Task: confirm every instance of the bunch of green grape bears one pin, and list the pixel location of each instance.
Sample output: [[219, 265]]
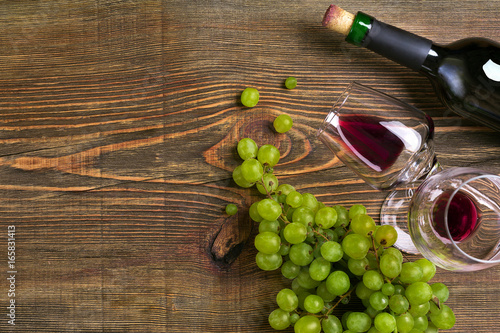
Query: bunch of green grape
[[332, 254]]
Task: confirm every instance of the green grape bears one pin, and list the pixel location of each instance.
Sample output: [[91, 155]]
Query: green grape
[[344, 317], [303, 215], [338, 283], [279, 319], [273, 226], [323, 292], [285, 189], [331, 324], [283, 123], [420, 323], [269, 184], [294, 199], [404, 323], [250, 97], [399, 289], [373, 280], [268, 262], [342, 216], [379, 301], [307, 324], [388, 289], [443, 318], [355, 246], [254, 213], [247, 148], [410, 272], [252, 170], [363, 224], [290, 270], [441, 291], [398, 304], [302, 296], [284, 249], [431, 328], [386, 235], [359, 322], [239, 179], [310, 201], [331, 251], [301, 254], [355, 210], [290, 82], [319, 269], [231, 209], [305, 280], [418, 292], [267, 242], [428, 269], [325, 217], [385, 322], [313, 303], [371, 311], [295, 233], [358, 266], [390, 266], [269, 209], [373, 330], [417, 310], [395, 252], [294, 317], [363, 292], [268, 154], [287, 300]]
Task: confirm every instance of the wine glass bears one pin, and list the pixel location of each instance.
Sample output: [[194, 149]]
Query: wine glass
[[454, 219], [389, 144]]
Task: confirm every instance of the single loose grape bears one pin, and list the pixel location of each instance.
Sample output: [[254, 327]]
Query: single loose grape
[[250, 97], [231, 209], [279, 319], [290, 82], [247, 148], [268, 154], [283, 123]]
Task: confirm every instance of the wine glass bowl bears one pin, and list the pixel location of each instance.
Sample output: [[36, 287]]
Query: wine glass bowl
[[454, 219], [382, 139]]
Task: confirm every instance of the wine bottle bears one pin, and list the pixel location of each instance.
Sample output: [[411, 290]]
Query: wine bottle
[[465, 74]]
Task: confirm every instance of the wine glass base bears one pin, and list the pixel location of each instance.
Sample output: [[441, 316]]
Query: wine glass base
[[395, 212]]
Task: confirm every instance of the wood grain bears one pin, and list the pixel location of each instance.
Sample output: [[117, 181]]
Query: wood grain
[[118, 125]]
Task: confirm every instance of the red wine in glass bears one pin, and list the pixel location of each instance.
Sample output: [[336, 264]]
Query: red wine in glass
[[462, 216], [371, 140]]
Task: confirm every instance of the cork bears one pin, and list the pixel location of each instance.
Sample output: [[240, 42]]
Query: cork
[[338, 20]]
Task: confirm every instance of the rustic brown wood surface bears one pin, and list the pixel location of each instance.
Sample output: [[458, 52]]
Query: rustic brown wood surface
[[118, 124]]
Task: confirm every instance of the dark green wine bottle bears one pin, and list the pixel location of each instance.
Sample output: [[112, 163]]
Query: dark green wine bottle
[[465, 74]]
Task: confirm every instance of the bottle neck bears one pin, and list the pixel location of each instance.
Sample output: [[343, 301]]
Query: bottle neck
[[391, 42]]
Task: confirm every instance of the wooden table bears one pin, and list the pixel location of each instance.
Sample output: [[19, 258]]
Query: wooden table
[[119, 121]]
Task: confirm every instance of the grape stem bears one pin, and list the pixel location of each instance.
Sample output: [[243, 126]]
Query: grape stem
[[320, 234], [347, 294]]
